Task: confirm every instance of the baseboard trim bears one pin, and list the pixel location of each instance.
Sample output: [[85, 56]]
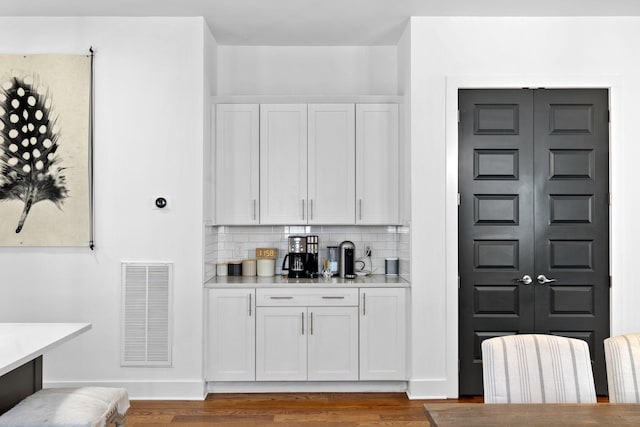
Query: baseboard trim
[[427, 389], [307, 387], [146, 390]]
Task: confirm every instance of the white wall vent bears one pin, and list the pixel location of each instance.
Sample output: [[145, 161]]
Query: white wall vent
[[146, 314]]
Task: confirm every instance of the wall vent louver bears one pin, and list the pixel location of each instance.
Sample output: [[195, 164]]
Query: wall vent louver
[[146, 314]]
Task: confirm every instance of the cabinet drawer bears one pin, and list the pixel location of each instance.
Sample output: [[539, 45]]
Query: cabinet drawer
[[306, 297]]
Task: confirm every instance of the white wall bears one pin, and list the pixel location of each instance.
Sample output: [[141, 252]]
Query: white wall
[[307, 70], [449, 53], [210, 89], [148, 143]]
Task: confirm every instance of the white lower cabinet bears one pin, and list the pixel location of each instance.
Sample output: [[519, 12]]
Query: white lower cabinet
[[319, 334], [332, 344], [383, 334], [307, 335], [231, 335], [281, 344], [307, 344]]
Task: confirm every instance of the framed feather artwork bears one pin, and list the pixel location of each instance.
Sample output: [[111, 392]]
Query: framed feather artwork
[[45, 150]]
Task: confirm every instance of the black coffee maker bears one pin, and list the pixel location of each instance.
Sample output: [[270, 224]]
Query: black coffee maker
[[347, 266], [311, 266], [297, 257]]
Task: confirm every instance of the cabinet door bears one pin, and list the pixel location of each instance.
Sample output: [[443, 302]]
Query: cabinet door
[[382, 334], [377, 164], [231, 335], [333, 344], [237, 164], [283, 164], [331, 160], [281, 344]]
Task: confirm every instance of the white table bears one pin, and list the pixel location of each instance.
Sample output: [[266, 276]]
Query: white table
[[532, 414], [21, 348]]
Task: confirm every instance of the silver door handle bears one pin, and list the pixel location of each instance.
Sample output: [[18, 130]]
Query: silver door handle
[[302, 320], [311, 209], [250, 304], [303, 209], [311, 326], [526, 279], [364, 304], [542, 279], [254, 209]]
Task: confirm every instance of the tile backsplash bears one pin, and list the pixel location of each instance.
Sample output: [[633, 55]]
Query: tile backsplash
[[404, 251], [235, 243]]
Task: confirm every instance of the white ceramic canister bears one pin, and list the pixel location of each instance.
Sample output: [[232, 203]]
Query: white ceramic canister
[[266, 267], [249, 267], [221, 269]]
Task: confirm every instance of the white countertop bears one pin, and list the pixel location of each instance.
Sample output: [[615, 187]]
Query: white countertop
[[22, 342], [376, 280]]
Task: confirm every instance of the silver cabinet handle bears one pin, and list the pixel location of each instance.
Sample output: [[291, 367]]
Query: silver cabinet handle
[[281, 297], [250, 295], [333, 297], [254, 209], [302, 209], [360, 208], [311, 209], [526, 279], [542, 279], [302, 319], [364, 304], [311, 326]]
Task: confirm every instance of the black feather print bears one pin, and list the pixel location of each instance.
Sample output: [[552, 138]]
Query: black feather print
[[29, 166]]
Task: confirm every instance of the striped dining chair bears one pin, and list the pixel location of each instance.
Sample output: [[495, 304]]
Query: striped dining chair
[[535, 368], [622, 356]]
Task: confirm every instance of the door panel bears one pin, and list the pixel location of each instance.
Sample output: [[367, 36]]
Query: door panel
[[496, 243], [237, 164], [533, 174], [283, 164], [281, 344], [331, 156], [333, 344], [572, 217]]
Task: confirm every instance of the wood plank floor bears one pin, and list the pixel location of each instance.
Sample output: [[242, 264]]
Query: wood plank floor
[[284, 409]]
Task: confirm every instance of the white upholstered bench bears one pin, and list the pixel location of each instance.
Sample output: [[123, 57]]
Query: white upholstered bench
[[69, 407]]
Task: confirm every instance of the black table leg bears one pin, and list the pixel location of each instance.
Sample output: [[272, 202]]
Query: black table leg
[[20, 383]]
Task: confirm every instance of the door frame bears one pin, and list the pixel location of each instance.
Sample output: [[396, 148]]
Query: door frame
[[453, 84]]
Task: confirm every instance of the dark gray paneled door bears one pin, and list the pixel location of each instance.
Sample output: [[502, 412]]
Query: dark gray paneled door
[[533, 220]]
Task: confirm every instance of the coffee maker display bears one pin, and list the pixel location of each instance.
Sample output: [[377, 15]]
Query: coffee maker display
[[347, 262], [297, 257]]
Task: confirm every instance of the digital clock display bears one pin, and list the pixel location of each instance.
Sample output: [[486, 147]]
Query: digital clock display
[[266, 253]]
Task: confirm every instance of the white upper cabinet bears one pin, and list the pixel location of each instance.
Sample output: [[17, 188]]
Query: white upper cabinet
[[377, 164], [331, 160], [294, 164], [237, 164], [283, 164]]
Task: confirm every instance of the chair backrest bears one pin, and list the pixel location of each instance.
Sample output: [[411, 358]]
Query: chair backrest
[[532, 368], [622, 356]]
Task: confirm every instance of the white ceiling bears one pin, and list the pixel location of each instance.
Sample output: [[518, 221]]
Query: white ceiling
[[315, 22]]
